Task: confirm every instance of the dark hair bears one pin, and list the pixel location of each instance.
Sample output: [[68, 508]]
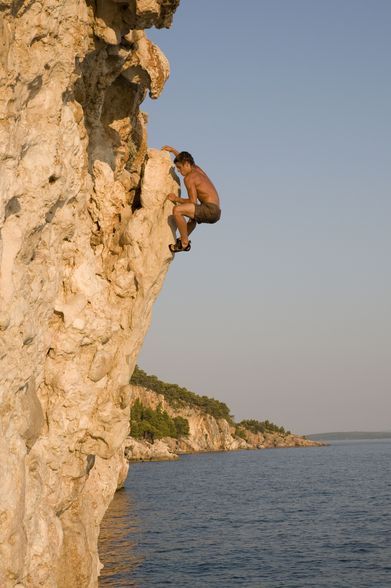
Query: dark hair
[[184, 157]]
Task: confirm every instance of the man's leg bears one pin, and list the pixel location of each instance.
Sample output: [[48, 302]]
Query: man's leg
[[180, 211], [191, 225]]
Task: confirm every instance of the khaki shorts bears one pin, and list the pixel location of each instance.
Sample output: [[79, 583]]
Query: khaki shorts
[[207, 212]]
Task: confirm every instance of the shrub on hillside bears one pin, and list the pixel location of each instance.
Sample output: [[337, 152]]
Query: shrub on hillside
[[240, 432]]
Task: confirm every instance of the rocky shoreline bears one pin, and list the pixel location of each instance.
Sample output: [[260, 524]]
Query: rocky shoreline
[[206, 434]]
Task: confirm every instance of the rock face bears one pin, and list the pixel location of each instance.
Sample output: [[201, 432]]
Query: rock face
[[85, 229], [206, 433]]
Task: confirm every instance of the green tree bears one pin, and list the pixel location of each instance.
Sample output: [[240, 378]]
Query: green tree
[[181, 426], [262, 426], [149, 424]]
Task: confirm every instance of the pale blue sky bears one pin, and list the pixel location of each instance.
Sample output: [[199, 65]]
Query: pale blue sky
[[282, 309]]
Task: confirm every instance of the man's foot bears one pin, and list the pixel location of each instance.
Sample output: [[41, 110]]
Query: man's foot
[[176, 247]]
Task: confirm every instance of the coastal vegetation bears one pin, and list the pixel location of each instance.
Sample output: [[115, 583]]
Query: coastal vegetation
[[260, 427], [178, 396], [147, 423]]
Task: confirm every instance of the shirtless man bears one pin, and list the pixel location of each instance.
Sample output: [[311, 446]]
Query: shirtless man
[[199, 187]]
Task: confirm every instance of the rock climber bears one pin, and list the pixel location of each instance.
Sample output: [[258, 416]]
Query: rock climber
[[199, 187]]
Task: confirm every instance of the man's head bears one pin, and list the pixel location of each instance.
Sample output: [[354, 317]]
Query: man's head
[[184, 162]]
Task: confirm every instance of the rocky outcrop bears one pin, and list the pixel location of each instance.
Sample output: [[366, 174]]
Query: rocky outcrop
[[85, 229], [141, 450], [269, 440], [206, 433]]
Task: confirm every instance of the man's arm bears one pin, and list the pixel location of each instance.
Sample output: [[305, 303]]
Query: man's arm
[[191, 191], [177, 199], [170, 150]]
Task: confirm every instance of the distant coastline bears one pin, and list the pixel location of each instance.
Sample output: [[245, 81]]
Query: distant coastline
[[349, 435]]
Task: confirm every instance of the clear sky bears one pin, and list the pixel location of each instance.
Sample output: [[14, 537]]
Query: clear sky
[[282, 309]]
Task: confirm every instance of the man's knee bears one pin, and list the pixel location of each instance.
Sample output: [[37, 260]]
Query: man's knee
[[182, 210]]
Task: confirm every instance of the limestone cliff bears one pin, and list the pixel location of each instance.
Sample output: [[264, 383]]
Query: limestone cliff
[[206, 433], [83, 254]]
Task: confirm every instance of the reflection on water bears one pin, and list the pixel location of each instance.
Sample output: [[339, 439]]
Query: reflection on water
[[116, 550]]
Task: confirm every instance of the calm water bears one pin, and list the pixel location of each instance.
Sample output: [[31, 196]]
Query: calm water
[[291, 518]]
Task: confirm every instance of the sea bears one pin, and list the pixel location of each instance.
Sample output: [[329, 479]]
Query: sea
[[316, 517]]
